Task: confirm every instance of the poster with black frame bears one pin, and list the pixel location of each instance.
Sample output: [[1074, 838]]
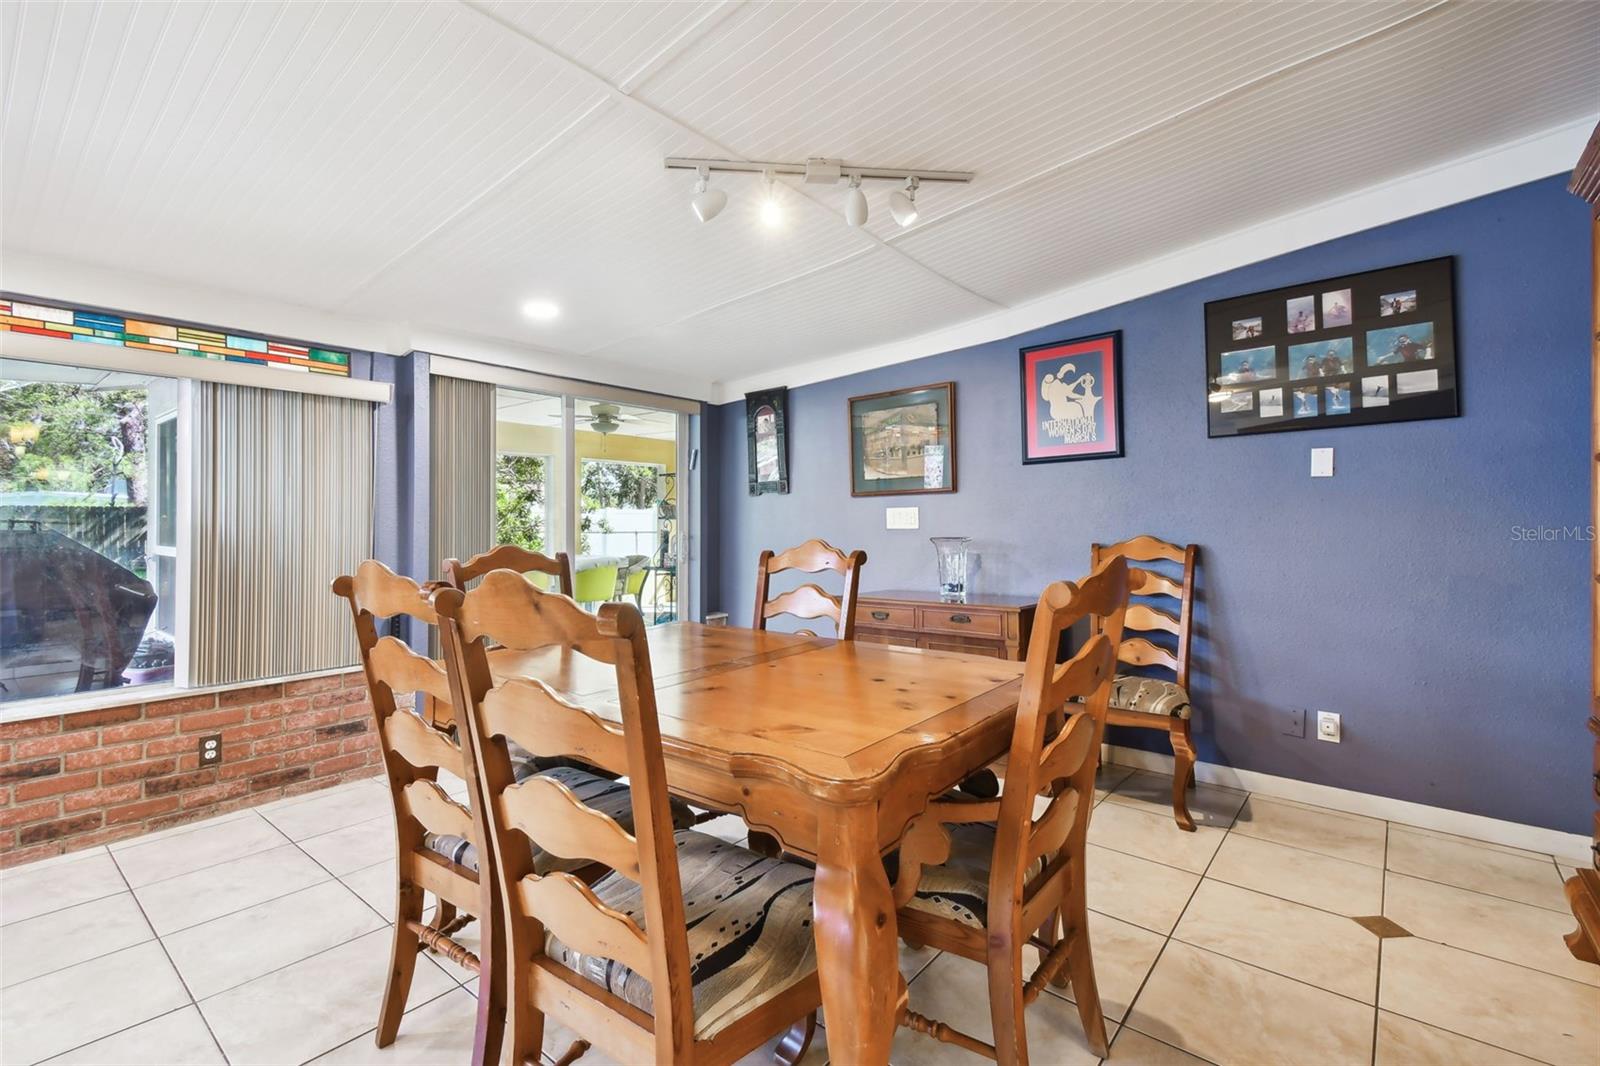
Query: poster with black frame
[[1354, 350], [766, 421]]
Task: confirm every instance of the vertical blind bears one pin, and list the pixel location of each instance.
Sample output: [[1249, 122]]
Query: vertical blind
[[282, 504], [462, 451]]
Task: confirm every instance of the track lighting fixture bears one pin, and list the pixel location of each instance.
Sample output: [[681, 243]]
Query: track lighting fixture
[[771, 209], [855, 203], [903, 205], [707, 202]]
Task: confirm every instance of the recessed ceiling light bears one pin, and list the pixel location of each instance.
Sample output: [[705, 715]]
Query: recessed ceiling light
[[541, 310]]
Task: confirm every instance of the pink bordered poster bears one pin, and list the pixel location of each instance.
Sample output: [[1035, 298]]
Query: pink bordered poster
[[1072, 399]]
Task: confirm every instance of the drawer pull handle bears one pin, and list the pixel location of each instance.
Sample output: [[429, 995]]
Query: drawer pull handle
[[964, 619], [882, 616]]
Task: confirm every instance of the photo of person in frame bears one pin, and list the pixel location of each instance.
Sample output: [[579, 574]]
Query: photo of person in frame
[[1305, 402], [1271, 405], [1400, 344], [1247, 329], [1337, 399], [1397, 303], [1248, 364], [1336, 308], [1322, 359], [1302, 314], [1375, 391]]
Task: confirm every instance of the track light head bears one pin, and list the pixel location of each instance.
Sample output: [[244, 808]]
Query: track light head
[[771, 209], [903, 205], [707, 202], [855, 203]]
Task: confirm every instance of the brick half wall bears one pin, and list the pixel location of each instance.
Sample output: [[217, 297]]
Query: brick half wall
[[74, 780]]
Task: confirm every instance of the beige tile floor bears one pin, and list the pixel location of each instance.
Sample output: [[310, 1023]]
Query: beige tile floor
[[261, 937]]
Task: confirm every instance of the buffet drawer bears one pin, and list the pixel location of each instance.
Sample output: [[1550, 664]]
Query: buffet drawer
[[886, 616], [964, 621]]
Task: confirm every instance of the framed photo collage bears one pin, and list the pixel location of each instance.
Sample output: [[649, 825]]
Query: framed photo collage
[[1346, 351]]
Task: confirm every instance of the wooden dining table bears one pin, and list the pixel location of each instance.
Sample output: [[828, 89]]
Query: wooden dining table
[[830, 746]]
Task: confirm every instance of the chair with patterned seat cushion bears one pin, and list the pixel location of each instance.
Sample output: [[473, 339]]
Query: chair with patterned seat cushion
[[985, 878], [691, 948], [414, 752], [434, 834], [1165, 607]]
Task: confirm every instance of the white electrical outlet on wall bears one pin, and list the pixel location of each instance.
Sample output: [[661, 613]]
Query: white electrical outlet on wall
[[1328, 726]]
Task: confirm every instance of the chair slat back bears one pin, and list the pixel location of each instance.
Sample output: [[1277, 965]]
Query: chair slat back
[[508, 611], [413, 751], [510, 557], [1064, 763], [810, 600], [1176, 620]]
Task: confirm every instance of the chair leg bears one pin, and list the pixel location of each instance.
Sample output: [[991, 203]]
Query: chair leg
[[527, 1021], [792, 1047], [443, 915], [763, 844], [1080, 968], [402, 962], [1182, 772], [1006, 1003], [488, 1037]]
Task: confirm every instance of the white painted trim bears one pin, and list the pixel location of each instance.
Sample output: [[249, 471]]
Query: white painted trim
[[1571, 848], [134, 695], [38, 349], [513, 378], [1537, 156]]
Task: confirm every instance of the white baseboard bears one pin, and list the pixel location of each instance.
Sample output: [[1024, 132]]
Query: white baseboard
[[1569, 848]]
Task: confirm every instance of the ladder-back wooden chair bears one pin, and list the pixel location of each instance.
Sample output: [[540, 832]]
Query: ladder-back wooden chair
[[500, 557], [810, 600], [1147, 702], [511, 557], [691, 949], [979, 877], [431, 829]]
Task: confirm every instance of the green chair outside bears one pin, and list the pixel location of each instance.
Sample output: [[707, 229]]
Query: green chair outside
[[595, 585], [633, 585]]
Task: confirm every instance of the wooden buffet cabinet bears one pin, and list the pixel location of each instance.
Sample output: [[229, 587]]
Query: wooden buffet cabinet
[[1583, 888], [980, 625]]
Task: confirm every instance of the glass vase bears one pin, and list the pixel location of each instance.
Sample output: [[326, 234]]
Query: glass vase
[[952, 556]]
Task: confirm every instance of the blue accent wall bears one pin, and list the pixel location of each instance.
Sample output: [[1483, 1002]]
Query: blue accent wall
[[1398, 593]]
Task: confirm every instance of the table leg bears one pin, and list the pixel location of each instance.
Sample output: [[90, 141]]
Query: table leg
[[857, 950]]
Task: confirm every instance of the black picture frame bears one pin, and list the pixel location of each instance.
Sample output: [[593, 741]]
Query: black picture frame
[[768, 443], [1351, 350], [1095, 434]]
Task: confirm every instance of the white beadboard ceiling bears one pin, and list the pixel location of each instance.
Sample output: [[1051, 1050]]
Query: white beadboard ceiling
[[433, 165]]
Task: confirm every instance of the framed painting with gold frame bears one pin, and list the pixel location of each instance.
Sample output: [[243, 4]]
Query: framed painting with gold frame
[[904, 441]]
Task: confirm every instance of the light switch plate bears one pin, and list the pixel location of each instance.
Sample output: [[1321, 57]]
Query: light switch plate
[[1321, 462], [901, 518]]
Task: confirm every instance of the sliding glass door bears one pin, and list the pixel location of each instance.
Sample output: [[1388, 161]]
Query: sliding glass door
[[598, 480], [627, 470], [530, 489]]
